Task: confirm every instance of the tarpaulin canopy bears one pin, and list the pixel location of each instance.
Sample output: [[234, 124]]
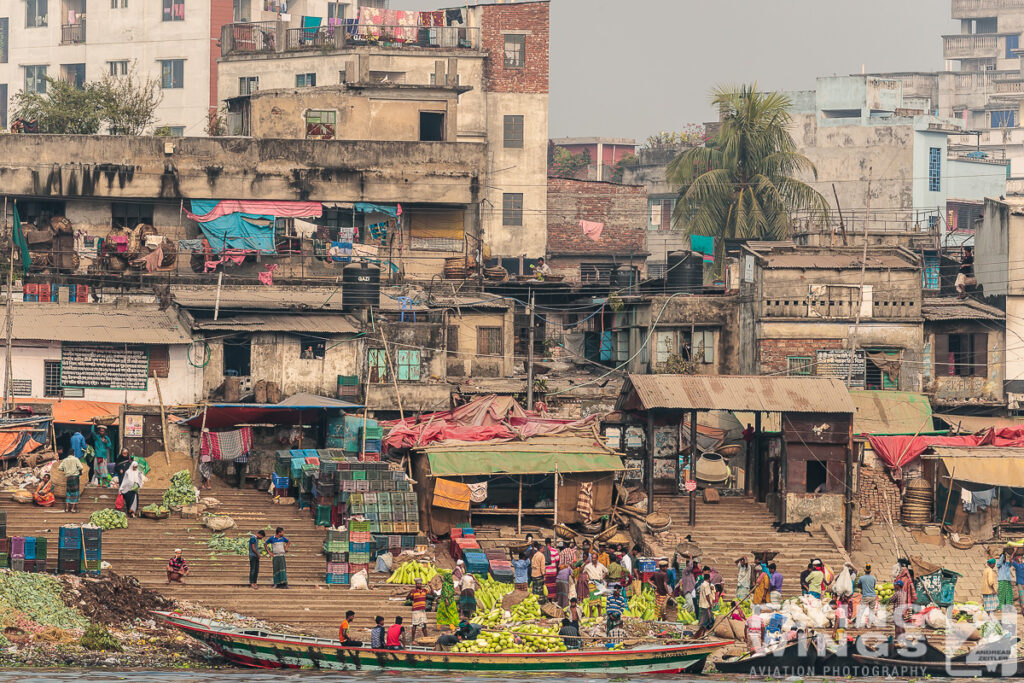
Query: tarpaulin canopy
[[209, 209], [304, 399], [220, 415], [470, 463], [79, 412], [453, 495], [989, 466], [898, 451]]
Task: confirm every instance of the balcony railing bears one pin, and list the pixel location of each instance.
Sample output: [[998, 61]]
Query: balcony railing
[[970, 46], [72, 34], [274, 36], [970, 9]]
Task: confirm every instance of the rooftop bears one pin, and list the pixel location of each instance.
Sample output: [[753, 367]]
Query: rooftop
[[950, 308], [299, 323], [834, 258], [735, 392], [259, 297], [98, 323]]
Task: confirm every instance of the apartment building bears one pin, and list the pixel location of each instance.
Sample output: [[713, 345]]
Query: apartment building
[[476, 76]]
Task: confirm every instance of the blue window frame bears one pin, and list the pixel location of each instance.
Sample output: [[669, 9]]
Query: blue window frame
[[1004, 118], [935, 169], [1012, 43], [930, 274]]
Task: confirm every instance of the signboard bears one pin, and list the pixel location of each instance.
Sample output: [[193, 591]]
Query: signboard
[[99, 366], [842, 363], [21, 387], [133, 425]]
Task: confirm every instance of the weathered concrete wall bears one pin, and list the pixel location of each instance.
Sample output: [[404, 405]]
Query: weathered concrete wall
[[465, 361], [945, 389], [702, 312], [96, 166], [992, 246], [822, 508]]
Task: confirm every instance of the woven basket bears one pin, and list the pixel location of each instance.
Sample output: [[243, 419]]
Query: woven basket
[[562, 531], [155, 515], [658, 521], [606, 534], [962, 543], [730, 451]]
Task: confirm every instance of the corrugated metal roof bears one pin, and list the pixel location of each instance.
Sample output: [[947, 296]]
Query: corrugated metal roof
[[260, 297], [969, 424], [950, 308], [273, 322], [891, 412], [98, 323], [735, 392]]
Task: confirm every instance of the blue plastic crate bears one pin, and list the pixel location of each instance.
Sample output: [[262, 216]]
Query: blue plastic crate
[[280, 482], [30, 547], [337, 579], [70, 537], [359, 547]]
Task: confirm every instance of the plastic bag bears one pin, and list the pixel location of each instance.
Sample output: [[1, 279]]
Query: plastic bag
[[936, 619], [359, 580], [384, 562], [844, 584], [880, 618], [119, 502], [864, 617]]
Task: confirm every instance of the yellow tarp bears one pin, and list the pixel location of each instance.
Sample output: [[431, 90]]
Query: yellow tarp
[[1008, 471], [435, 224], [451, 494]]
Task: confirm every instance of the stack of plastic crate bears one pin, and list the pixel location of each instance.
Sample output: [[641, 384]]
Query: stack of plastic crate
[[69, 550], [92, 550], [18, 553]]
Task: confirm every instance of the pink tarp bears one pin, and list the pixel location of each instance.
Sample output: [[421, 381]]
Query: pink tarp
[[899, 451], [282, 209], [482, 419]]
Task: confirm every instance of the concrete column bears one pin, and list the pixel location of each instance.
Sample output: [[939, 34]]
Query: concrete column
[[280, 36]]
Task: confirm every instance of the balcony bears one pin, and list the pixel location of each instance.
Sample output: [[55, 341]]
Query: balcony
[[972, 9], [276, 36], [976, 46], [72, 34]]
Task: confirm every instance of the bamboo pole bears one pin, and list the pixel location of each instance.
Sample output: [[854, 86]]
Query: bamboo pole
[[556, 493], [949, 494], [394, 372], [163, 419], [519, 510]]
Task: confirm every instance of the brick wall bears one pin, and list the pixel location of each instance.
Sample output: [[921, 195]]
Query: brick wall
[[530, 18], [877, 494], [773, 353], [221, 12], [622, 209]]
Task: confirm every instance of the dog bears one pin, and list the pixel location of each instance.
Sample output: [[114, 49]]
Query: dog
[[793, 527]]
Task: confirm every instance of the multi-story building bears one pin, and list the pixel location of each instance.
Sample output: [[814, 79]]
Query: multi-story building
[[473, 77]]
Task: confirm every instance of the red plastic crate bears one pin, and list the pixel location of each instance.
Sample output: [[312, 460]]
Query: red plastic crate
[[44, 292], [31, 288], [82, 294]]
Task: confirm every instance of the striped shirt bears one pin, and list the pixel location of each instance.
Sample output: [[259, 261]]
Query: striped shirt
[[419, 599]]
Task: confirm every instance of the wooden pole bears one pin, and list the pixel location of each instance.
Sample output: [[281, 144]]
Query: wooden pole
[[529, 358], [949, 494], [394, 372], [9, 366], [556, 493], [216, 303], [163, 419], [202, 429], [650, 462], [519, 513], [693, 468]]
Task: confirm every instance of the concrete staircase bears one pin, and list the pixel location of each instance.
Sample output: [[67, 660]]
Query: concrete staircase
[[221, 581], [737, 526]]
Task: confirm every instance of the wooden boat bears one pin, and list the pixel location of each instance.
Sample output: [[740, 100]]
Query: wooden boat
[[794, 660], [266, 650]]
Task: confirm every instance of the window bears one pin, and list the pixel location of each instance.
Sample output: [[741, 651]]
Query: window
[[488, 341], [961, 355], [1005, 118], [5, 32], [661, 213], [817, 476], [930, 271], [130, 214], [512, 209], [174, 10], [3, 105], [799, 365], [240, 10], [159, 360], [175, 131], [387, 77], [377, 366], [172, 73], [320, 124], [335, 10], [305, 80], [514, 131], [74, 74], [118, 68], [1012, 43], [341, 77], [35, 79], [114, 4], [312, 348], [247, 85], [665, 346], [35, 13], [515, 51], [703, 345], [934, 169], [881, 369], [51, 378], [408, 365], [237, 356], [431, 126], [698, 347]]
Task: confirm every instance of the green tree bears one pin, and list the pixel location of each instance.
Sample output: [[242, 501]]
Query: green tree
[[128, 102], [63, 109], [565, 164], [744, 182]]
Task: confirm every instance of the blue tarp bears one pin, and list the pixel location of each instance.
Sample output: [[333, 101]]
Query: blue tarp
[[236, 230], [376, 208]]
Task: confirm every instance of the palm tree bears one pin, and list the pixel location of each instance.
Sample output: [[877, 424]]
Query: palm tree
[[743, 183]]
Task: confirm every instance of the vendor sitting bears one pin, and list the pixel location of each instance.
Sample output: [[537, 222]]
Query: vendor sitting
[[177, 567], [43, 496]]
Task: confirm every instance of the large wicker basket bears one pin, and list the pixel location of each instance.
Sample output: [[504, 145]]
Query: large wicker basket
[[606, 534]]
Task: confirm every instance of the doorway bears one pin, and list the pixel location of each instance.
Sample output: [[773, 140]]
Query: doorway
[[431, 126]]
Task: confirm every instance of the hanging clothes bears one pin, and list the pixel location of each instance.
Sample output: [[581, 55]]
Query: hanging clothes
[[453, 16], [592, 229]]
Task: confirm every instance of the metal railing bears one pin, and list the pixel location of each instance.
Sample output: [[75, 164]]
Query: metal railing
[[254, 36], [72, 34], [413, 36], [314, 38], [966, 46]]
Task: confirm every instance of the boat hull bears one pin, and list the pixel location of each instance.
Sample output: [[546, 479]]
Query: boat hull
[[274, 651]]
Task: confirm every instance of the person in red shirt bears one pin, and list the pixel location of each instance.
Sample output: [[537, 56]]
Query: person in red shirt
[[394, 637], [343, 635], [418, 596]]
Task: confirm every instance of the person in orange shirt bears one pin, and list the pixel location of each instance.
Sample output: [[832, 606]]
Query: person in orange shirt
[[343, 634]]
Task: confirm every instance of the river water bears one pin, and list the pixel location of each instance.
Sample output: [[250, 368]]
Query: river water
[[247, 676]]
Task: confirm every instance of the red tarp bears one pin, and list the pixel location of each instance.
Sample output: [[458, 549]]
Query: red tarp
[[280, 209], [898, 451], [482, 419]]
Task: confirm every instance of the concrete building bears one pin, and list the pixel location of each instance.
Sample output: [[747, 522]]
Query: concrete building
[[648, 168], [596, 232], [479, 80], [604, 153], [801, 305], [174, 43]]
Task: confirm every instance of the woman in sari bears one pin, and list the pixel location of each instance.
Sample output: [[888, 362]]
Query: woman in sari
[[762, 588], [44, 493], [129, 489], [905, 596]]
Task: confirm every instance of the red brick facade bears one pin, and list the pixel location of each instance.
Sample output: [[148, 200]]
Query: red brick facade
[[221, 13], [622, 209], [529, 18], [773, 354], [877, 495]]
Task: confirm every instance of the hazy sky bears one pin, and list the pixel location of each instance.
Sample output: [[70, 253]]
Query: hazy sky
[[629, 68]]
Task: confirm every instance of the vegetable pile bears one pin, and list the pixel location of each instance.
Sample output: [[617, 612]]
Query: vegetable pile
[[885, 592], [222, 544], [109, 519], [182, 491], [490, 592], [156, 509], [410, 571], [523, 638], [38, 597], [528, 609]]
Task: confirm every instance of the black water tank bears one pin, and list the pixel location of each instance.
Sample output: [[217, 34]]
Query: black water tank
[[624, 277], [360, 286], [685, 272]]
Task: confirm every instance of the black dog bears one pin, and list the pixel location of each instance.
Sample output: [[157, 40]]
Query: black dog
[[793, 527]]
